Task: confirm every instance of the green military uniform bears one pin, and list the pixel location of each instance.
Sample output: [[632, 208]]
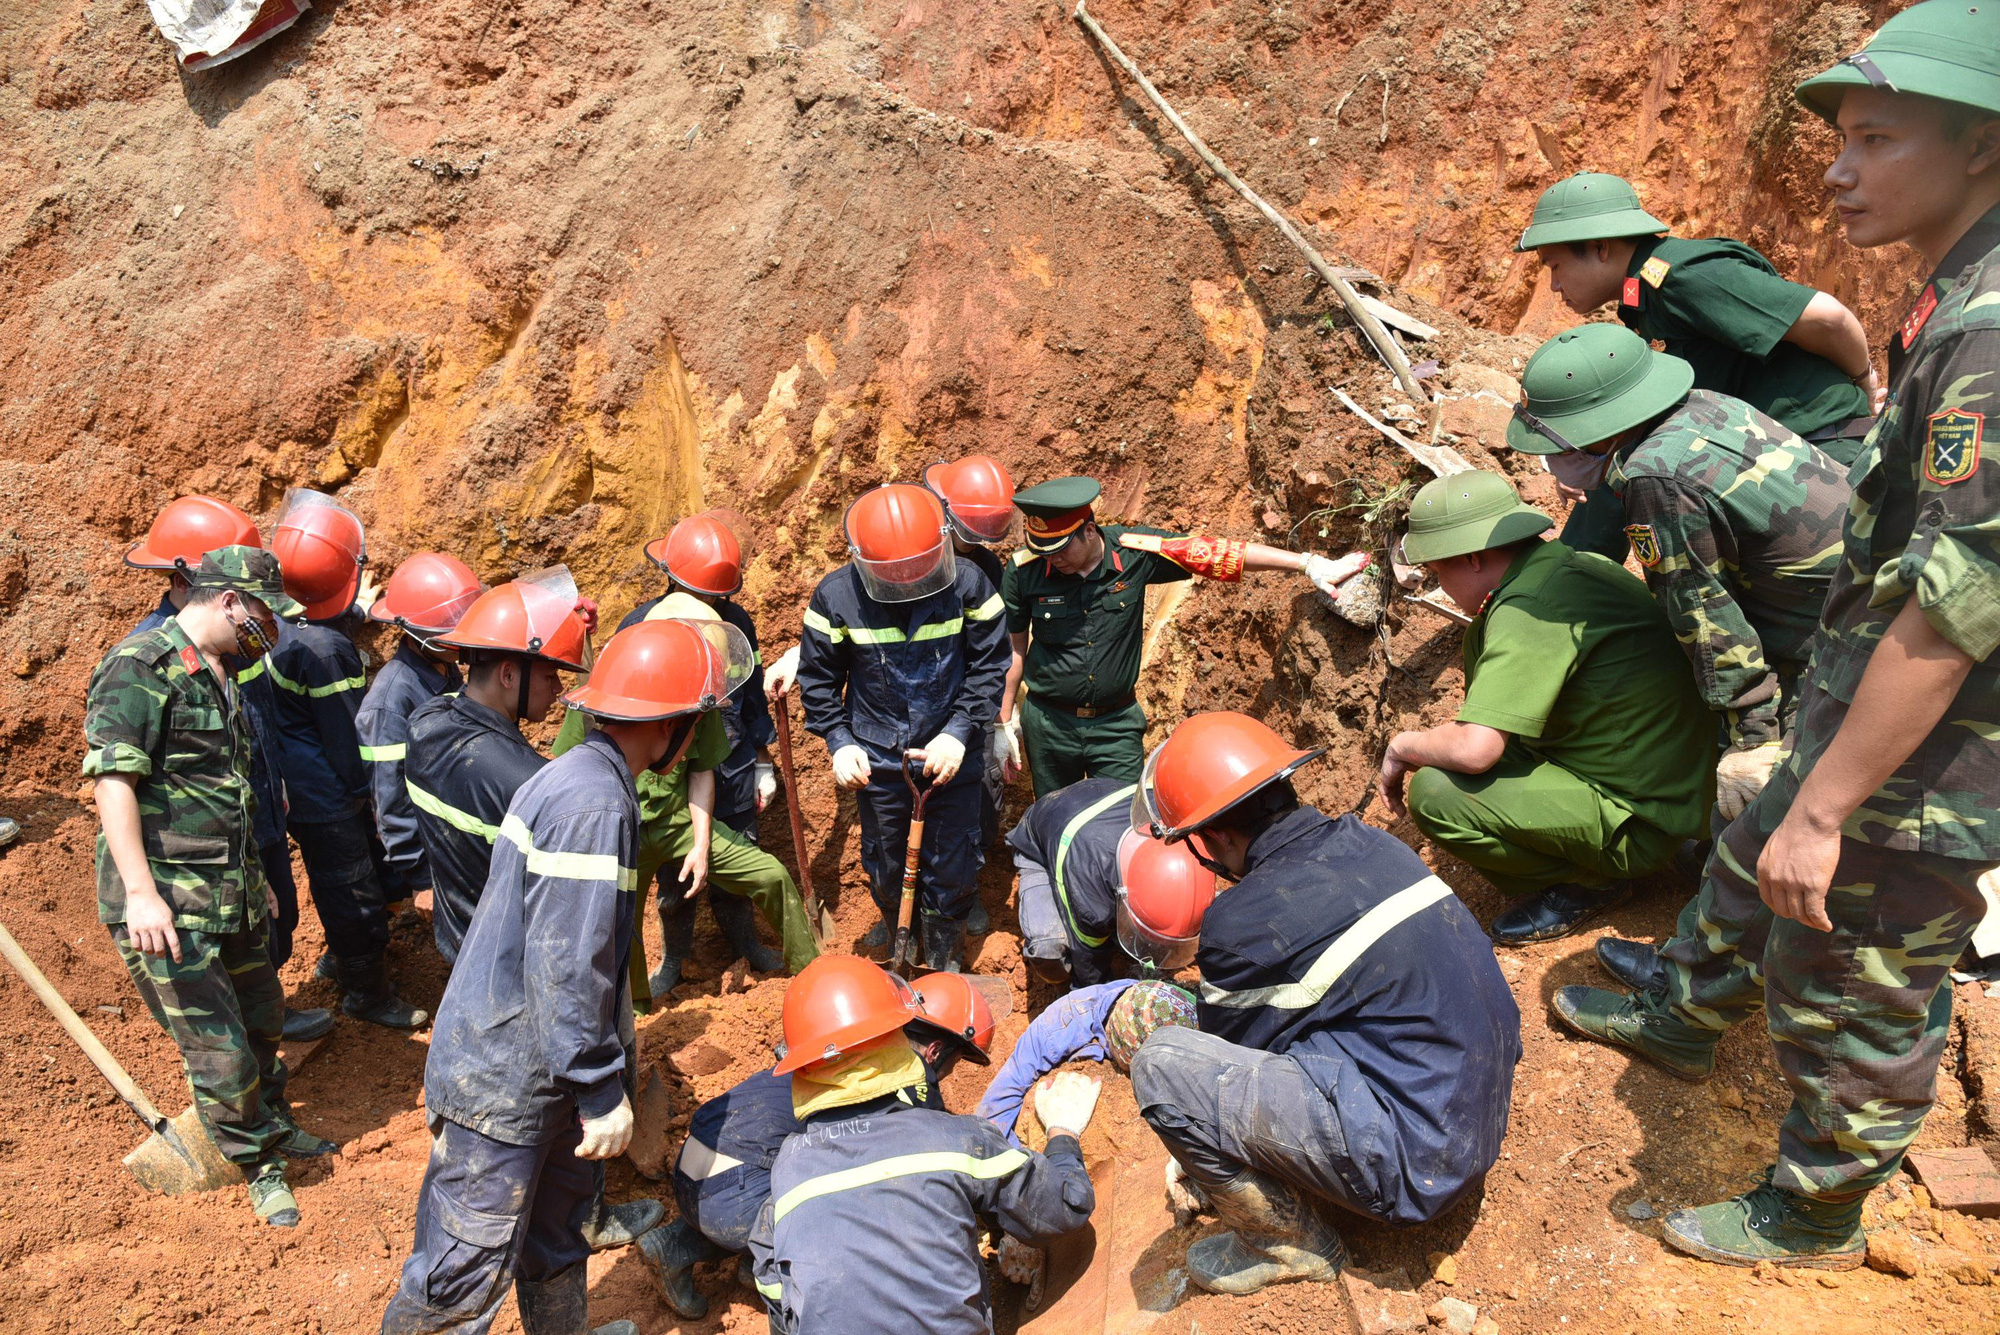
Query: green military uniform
[[1086, 634], [1718, 305], [1609, 758], [735, 865], [1736, 523], [157, 711]]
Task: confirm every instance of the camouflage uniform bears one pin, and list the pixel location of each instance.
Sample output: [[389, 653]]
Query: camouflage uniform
[[1737, 523], [156, 712], [1858, 1017]]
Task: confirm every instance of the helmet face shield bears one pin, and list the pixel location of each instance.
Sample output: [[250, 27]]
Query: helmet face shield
[[1152, 945], [549, 598], [1146, 816], [730, 660], [910, 578]]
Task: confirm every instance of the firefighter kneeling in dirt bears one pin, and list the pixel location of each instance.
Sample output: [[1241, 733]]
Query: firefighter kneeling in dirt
[[722, 1176], [904, 651], [526, 1081], [876, 1205], [1357, 1040]]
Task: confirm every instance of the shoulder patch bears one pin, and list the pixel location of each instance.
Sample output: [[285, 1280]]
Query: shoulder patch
[[1645, 544], [191, 660], [1654, 271], [1631, 293], [1024, 556], [1913, 323], [1951, 446]]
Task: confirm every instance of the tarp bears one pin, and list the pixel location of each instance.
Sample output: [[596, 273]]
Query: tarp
[[209, 32]]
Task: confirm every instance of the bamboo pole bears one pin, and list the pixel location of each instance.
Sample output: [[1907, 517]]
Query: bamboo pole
[[1384, 345]]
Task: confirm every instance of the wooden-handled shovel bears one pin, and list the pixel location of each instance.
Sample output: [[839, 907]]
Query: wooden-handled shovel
[[904, 951], [818, 919]]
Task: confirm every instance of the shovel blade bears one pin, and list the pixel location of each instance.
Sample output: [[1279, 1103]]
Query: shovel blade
[[182, 1160]]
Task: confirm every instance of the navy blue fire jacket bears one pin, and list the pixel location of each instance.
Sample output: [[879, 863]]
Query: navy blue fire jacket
[[260, 706], [1073, 835], [527, 1036], [749, 725], [405, 682], [320, 681], [464, 766], [875, 1215], [895, 675], [1341, 950]]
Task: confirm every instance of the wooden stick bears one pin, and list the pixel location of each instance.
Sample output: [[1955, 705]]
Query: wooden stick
[[1448, 613], [1442, 460], [1385, 347]]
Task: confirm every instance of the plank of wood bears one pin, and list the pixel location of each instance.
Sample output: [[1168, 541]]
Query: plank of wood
[[1396, 319], [1442, 460]]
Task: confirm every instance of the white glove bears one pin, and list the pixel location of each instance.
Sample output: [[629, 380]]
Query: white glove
[[779, 677], [1065, 1101], [850, 767], [1742, 775], [367, 591], [943, 757], [1328, 574], [767, 783], [1016, 753], [1184, 1198], [606, 1137], [1022, 1264]]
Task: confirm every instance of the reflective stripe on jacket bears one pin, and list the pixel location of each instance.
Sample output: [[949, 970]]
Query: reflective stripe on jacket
[[405, 682], [319, 681], [1073, 834]]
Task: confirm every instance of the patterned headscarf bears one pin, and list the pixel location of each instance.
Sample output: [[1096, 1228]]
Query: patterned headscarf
[[1139, 1010]]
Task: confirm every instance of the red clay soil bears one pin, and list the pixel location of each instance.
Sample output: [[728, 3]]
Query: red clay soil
[[527, 281]]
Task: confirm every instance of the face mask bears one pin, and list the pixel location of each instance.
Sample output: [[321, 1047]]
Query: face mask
[[255, 635], [1581, 471]]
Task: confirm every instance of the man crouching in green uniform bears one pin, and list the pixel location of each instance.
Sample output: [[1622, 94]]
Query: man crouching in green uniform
[[1792, 353], [179, 882], [1076, 609], [1735, 521], [1840, 899], [1583, 754]]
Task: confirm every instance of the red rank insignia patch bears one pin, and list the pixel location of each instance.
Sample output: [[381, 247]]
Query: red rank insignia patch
[[1951, 447], [191, 660], [1645, 544], [1631, 297], [1913, 323]]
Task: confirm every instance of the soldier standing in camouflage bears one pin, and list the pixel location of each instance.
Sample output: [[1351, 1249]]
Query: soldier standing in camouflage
[[179, 883], [1839, 900]]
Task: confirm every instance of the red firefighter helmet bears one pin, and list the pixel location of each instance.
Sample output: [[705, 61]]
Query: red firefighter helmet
[[663, 669], [840, 1004], [534, 615], [1208, 764], [1163, 894], [965, 1008], [701, 553], [320, 548], [427, 594], [978, 495], [899, 542], [188, 529]]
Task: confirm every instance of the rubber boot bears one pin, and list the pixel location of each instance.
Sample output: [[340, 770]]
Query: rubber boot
[[673, 1251], [303, 1026], [621, 1225], [978, 922], [371, 996], [737, 917], [326, 969], [880, 935], [944, 940], [1768, 1223], [1617, 1018], [561, 1306], [676, 942], [1275, 1237]]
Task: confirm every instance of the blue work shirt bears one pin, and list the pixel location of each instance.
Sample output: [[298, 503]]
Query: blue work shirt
[[408, 680], [1071, 1028], [1341, 950], [320, 681]]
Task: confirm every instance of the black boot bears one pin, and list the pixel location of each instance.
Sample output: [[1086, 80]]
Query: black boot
[[737, 917], [621, 1225], [327, 969], [880, 935], [561, 1306], [944, 939], [977, 923], [371, 996], [1691, 858], [673, 1251], [676, 942], [1633, 963], [1556, 912], [307, 1025]]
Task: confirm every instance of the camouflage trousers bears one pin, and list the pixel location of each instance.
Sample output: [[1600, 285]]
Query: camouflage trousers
[[1858, 1016], [225, 1008]]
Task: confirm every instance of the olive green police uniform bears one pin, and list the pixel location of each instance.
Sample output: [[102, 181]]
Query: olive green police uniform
[[1716, 304], [1086, 633]]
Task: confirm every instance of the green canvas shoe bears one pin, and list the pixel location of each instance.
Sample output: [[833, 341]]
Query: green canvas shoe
[[272, 1199], [1615, 1018], [1769, 1224]]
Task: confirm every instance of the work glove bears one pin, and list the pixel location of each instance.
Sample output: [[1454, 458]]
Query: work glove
[[606, 1137], [1065, 1101], [778, 677], [943, 757], [1742, 775], [767, 783], [1328, 574], [850, 767], [367, 591], [1016, 754], [1023, 1265], [1184, 1198]]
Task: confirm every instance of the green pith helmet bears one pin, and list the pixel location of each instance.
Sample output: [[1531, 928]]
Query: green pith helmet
[[1589, 206], [1589, 383], [1468, 512], [1948, 49]]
